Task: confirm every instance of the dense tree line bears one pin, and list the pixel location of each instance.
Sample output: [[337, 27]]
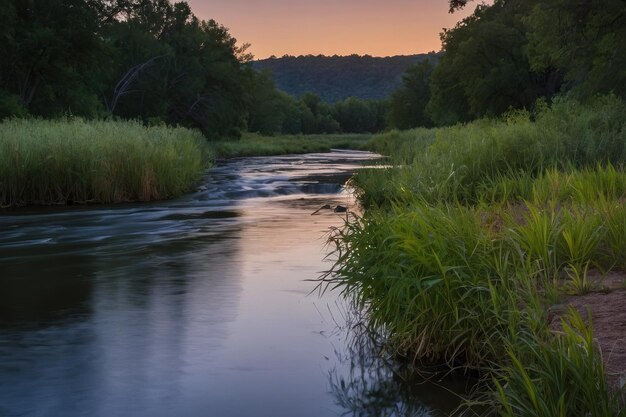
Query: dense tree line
[[146, 59], [504, 56], [273, 111], [512, 53], [154, 61]]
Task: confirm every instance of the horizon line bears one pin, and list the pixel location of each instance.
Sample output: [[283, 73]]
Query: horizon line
[[344, 56]]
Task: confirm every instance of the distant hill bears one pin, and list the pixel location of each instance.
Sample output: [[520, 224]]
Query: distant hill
[[335, 78]]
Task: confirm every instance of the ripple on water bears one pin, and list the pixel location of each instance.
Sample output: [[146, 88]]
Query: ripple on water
[[192, 307]]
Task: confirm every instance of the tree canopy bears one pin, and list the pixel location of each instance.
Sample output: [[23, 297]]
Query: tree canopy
[[408, 102], [509, 54], [485, 69], [155, 61], [146, 59], [457, 4], [583, 42]]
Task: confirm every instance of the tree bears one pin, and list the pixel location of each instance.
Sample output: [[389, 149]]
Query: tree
[[408, 102], [485, 69], [172, 67], [271, 111], [49, 52], [145, 59], [457, 5], [359, 116], [315, 115], [582, 41]]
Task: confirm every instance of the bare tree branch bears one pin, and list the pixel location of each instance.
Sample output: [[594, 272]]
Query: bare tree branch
[[123, 86]]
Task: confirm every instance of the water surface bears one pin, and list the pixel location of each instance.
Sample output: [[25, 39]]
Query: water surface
[[195, 307]]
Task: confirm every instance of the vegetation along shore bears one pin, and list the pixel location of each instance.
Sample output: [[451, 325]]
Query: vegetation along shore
[[475, 246], [77, 161]]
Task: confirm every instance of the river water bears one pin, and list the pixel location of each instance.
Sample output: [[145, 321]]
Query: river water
[[200, 306]]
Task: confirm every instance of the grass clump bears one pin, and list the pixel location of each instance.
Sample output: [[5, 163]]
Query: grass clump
[[78, 161], [561, 376], [437, 280], [469, 238]]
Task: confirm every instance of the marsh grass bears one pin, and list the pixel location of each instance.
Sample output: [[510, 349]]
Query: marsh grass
[[537, 237], [475, 232], [78, 161], [613, 252]]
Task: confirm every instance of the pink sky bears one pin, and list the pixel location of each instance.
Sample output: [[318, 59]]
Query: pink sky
[[342, 27]]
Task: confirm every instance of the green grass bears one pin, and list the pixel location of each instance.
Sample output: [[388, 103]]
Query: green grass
[[461, 162], [476, 230], [78, 161], [436, 278], [560, 376], [252, 144]]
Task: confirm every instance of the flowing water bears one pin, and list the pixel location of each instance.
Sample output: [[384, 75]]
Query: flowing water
[[195, 307]]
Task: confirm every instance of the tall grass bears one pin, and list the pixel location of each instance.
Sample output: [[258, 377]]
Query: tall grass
[[436, 278], [78, 161], [560, 376], [476, 231], [462, 159]]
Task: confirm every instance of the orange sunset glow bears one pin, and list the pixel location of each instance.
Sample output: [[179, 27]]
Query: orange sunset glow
[[342, 27]]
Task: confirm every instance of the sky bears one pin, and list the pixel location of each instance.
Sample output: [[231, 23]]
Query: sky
[[329, 27]]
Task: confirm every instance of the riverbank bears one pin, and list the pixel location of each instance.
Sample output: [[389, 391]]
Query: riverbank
[[478, 232], [73, 161], [187, 307], [604, 303], [252, 144]]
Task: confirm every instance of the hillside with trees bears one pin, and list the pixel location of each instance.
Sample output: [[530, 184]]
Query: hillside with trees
[[335, 78]]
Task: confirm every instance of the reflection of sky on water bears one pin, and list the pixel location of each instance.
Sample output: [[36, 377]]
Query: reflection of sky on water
[[194, 307], [118, 342], [367, 379]]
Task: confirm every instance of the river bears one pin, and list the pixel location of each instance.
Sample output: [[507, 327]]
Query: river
[[199, 306]]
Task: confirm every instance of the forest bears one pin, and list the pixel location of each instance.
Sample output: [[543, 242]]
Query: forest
[[148, 60], [155, 61]]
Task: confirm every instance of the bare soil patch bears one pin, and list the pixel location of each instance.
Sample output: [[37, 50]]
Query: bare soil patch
[[606, 305]]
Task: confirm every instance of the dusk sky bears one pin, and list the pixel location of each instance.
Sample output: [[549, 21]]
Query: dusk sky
[[342, 27]]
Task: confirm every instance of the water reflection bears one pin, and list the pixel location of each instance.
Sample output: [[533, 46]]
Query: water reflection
[[369, 381], [110, 335], [46, 292]]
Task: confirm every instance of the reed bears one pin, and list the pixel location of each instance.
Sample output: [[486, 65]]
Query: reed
[[435, 277], [77, 161], [463, 162]]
